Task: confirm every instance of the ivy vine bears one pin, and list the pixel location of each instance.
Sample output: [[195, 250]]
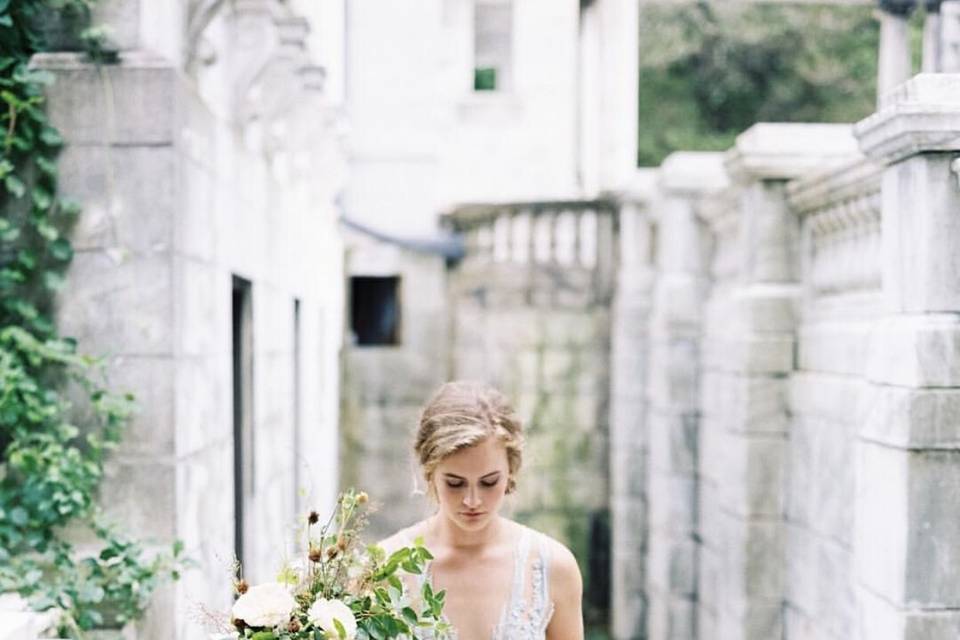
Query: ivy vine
[[52, 450]]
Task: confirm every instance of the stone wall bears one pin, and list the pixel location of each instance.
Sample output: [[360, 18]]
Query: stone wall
[[531, 315], [798, 429], [384, 386], [187, 180]]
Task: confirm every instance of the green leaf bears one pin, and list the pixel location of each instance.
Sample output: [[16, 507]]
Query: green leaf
[[341, 631], [19, 516], [42, 199], [51, 137], [6, 21], [4, 4], [61, 249], [15, 186]]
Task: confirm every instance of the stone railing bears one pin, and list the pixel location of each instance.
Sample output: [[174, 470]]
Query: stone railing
[[840, 226], [572, 239]]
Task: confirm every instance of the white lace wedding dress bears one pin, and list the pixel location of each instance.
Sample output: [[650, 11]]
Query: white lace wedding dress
[[527, 612]]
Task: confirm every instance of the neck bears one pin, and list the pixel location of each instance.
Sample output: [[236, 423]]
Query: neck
[[449, 534]]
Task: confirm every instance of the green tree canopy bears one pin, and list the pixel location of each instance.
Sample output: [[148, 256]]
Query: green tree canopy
[[710, 70]]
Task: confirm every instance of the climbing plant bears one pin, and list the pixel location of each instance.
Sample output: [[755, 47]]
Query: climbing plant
[[58, 418]]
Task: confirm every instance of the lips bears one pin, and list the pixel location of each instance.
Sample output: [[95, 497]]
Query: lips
[[472, 514]]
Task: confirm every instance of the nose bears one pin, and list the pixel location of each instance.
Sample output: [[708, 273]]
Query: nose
[[471, 499]]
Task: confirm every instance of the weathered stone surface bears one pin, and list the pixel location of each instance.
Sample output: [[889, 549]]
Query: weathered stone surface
[[916, 351], [753, 484], [144, 105], [912, 418], [779, 151], [757, 354], [834, 347], [919, 202]]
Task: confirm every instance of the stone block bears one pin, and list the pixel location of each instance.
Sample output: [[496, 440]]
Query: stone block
[[781, 151], [912, 418], [144, 95], [672, 502], [766, 308], [118, 307], [882, 520], [916, 351], [673, 377], [121, 211], [628, 471], [802, 580], [203, 404], [750, 355], [752, 621], [196, 234], [673, 443], [152, 381], [921, 266], [834, 347], [671, 564], [678, 300], [203, 311], [754, 483], [752, 561], [141, 494], [827, 397], [879, 619]]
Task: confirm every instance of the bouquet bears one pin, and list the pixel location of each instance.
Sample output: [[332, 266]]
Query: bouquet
[[342, 589]]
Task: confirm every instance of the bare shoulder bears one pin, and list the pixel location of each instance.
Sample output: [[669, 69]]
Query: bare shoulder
[[564, 571], [402, 538]]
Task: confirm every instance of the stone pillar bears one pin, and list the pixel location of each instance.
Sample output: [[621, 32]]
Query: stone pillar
[[894, 64], [630, 314], [949, 47], [672, 412], [907, 518], [619, 69], [748, 356], [932, 39]]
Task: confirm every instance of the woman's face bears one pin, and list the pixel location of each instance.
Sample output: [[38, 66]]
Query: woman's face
[[472, 482]]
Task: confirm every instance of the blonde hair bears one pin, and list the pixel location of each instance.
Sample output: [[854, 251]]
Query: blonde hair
[[462, 414]]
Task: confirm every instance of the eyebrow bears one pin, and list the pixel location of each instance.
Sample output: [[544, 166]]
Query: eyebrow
[[453, 475]]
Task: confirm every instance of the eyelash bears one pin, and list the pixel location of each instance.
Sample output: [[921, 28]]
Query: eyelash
[[460, 485]]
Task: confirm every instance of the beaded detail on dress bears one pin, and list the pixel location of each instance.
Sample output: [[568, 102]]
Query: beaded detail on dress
[[529, 609]]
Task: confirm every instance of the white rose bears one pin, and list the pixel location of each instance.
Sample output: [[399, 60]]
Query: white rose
[[324, 612], [265, 605]]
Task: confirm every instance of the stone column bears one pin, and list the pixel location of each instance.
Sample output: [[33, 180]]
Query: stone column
[[630, 314], [748, 356], [949, 47], [907, 518], [932, 39], [619, 70], [894, 64], [672, 412]]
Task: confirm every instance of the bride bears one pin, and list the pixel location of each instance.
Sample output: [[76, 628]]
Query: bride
[[504, 581]]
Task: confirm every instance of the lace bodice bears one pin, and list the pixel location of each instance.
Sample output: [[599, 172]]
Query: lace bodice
[[527, 612]]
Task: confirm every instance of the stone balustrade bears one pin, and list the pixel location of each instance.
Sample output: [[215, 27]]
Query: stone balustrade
[[530, 242], [795, 409]]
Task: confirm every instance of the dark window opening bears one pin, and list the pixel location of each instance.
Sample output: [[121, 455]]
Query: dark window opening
[[492, 45], [375, 310], [242, 409]]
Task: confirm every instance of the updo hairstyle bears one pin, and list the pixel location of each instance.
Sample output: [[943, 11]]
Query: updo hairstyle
[[462, 414]]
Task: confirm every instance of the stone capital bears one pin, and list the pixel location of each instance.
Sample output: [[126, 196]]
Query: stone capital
[[783, 151], [922, 115]]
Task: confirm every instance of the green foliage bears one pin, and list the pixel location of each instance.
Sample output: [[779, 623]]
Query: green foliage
[[52, 451], [364, 578], [710, 70]]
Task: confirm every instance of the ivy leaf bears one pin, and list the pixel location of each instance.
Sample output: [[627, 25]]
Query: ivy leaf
[[53, 281], [6, 21], [51, 137], [42, 200], [46, 230], [19, 516], [61, 249], [15, 186]]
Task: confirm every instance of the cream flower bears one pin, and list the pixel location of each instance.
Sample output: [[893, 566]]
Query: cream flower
[[323, 612], [265, 605]]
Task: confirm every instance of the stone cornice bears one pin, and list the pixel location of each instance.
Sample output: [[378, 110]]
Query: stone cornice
[[784, 151], [921, 115]]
